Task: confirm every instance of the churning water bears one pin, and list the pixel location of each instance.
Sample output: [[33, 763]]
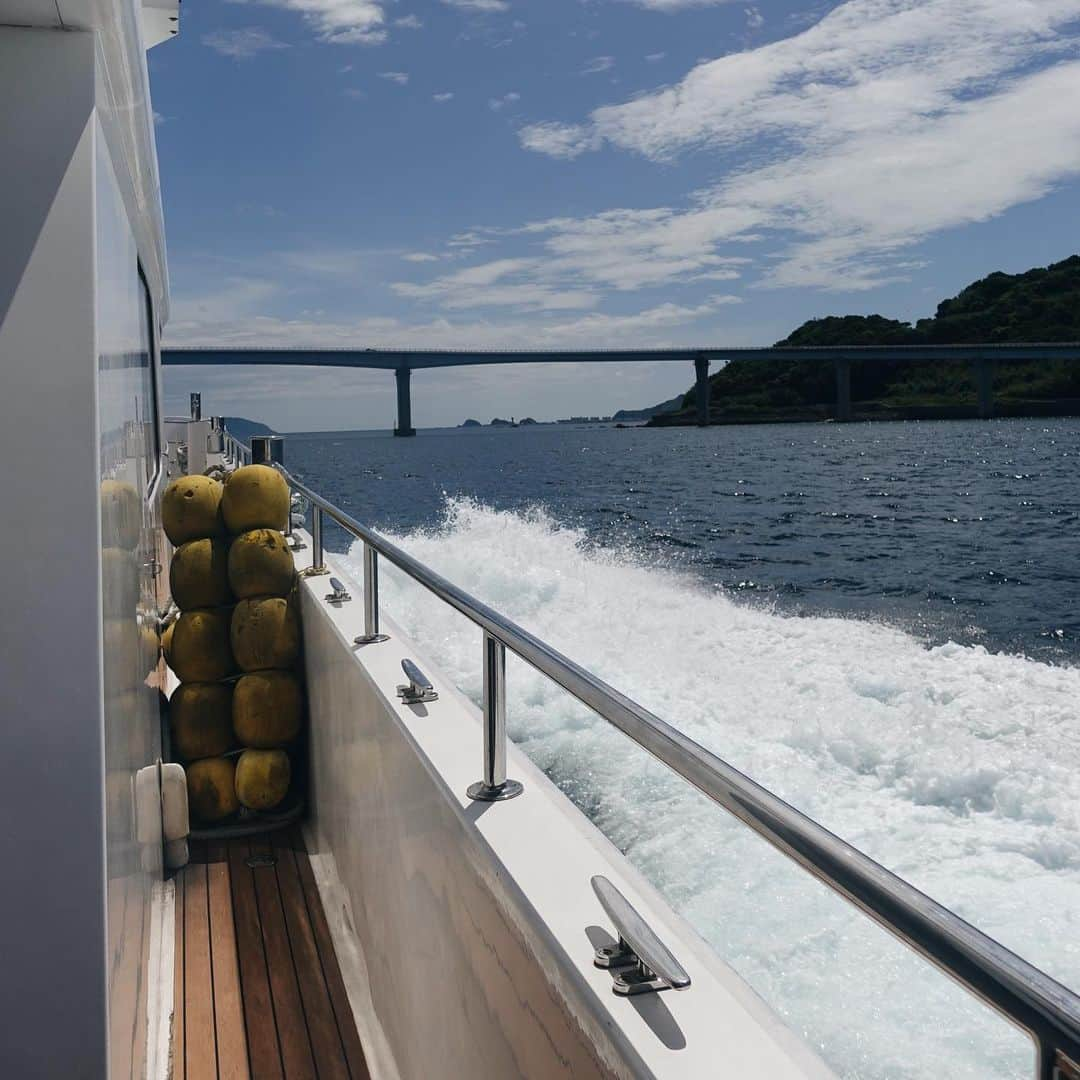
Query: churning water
[[903, 670]]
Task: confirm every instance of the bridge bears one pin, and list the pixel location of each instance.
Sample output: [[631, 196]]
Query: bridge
[[404, 361]]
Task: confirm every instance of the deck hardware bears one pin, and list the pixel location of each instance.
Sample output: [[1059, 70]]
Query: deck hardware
[[494, 787], [340, 593], [641, 963], [258, 861], [418, 688], [371, 634], [317, 561]]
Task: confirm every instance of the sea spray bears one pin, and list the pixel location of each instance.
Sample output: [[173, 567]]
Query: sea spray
[[954, 767]]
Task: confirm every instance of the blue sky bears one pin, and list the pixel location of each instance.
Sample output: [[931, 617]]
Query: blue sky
[[591, 173]]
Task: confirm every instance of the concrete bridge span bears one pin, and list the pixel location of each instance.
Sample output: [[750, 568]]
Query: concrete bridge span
[[404, 361]]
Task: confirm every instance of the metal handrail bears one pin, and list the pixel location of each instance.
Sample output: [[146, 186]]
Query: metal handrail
[[1023, 994], [235, 450]]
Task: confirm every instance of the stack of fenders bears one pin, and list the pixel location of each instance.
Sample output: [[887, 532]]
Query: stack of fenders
[[236, 719]]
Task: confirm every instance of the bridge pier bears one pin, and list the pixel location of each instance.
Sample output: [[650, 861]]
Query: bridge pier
[[984, 385], [843, 390], [701, 373], [404, 402]]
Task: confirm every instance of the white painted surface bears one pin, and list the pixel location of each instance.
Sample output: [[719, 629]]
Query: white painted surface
[[80, 720], [29, 13], [52, 904], [470, 922], [160, 982]]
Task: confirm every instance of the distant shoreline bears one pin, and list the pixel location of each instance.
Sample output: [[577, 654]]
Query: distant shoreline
[[869, 411]]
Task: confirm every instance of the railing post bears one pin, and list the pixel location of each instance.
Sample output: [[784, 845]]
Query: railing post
[[843, 389], [318, 564], [984, 387], [701, 386], [371, 599], [494, 787]]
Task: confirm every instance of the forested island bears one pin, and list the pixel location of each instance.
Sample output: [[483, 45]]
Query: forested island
[[1041, 305]]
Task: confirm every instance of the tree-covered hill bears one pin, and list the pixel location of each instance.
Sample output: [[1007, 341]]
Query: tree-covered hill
[[1041, 305]]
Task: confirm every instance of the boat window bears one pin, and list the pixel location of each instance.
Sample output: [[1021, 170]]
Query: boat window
[[128, 400]]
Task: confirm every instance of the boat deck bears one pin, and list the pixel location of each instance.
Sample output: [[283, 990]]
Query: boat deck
[[258, 990]]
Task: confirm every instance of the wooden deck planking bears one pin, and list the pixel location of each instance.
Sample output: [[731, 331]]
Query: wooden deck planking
[[293, 1038], [259, 992], [335, 984], [200, 1053], [326, 1045], [232, 1058], [179, 1038], [262, 1040]]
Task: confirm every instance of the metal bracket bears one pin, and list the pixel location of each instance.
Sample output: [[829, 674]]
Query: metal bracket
[[340, 593], [314, 571], [418, 688], [640, 962]]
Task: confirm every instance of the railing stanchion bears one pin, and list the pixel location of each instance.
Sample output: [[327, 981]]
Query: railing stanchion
[[494, 787], [371, 599], [317, 561]]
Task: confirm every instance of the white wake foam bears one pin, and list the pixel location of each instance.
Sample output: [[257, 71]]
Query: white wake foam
[[956, 768]]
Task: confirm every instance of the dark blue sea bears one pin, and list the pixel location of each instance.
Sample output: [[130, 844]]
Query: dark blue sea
[[963, 531]]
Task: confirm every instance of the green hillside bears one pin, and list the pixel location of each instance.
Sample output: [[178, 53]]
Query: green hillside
[[1041, 305]]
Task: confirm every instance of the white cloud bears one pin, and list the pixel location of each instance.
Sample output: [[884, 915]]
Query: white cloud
[[447, 95], [471, 239], [754, 19], [409, 22], [158, 118], [236, 313], [399, 77], [653, 57], [478, 5], [559, 140], [580, 260], [670, 6], [598, 64], [495, 104], [420, 257], [241, 44], [885, 122], [485, 285], [340, 22]]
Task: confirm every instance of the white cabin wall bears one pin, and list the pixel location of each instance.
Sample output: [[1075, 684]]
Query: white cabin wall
[[52, 904], [83, 585]]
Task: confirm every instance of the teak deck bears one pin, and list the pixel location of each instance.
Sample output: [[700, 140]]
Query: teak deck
[[258, 989]]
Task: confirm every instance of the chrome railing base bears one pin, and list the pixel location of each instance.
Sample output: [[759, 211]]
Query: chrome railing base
[[481, 792]]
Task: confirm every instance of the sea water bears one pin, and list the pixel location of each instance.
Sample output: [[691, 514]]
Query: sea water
[[903, 670]]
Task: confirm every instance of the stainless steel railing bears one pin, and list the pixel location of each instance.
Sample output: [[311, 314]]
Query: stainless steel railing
[[236, 451], [1046, 1010]]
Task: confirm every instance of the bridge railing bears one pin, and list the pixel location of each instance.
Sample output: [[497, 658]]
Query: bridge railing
[[1048, 1011]]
